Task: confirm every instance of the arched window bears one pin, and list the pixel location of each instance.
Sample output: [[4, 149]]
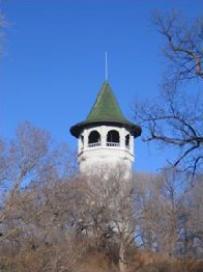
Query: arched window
[[94, 139], [113, 138], [127, 140]]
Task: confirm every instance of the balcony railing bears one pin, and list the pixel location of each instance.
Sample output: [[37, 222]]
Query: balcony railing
[[112, 144], [94, 144]]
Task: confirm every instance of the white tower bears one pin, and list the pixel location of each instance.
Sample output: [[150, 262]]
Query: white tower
[[106, 137]]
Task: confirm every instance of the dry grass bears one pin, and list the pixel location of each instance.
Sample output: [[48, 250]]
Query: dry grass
[[141, 262], [154, 262], [96, 262], [93, 261]]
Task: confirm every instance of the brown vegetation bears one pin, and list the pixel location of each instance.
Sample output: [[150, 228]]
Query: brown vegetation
[[53, 219]]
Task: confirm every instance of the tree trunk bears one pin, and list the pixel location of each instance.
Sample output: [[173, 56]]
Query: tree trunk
[[122, 263]]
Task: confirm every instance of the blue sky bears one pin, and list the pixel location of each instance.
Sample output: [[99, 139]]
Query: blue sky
[[53, 62]]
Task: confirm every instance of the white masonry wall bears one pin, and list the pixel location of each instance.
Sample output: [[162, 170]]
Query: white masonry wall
[[92, 157]]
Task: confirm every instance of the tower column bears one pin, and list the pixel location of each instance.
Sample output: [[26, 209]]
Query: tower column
[[103, 136], [79, 145], [131, 144], [122, 138], [85, 139]]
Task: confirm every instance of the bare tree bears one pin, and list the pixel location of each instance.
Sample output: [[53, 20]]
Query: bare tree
[[175, 118], [161, 211], [172, 189], [54, 223], [31, 157], [51, 220], [39, 223], [105, 212], [3, 161], [183, 48], [175, 121], [192, 220]]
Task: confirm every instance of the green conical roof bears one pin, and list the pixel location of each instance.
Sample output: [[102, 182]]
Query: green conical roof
[[106, 107], [105, 111]]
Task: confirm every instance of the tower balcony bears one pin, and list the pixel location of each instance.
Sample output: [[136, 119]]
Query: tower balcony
[[109, 144], [105, 141]]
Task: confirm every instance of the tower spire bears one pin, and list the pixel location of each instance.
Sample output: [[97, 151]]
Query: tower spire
[[106, 65]]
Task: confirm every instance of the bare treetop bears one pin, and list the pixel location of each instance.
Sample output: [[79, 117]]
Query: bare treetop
[[175, 118], [184, 45]]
